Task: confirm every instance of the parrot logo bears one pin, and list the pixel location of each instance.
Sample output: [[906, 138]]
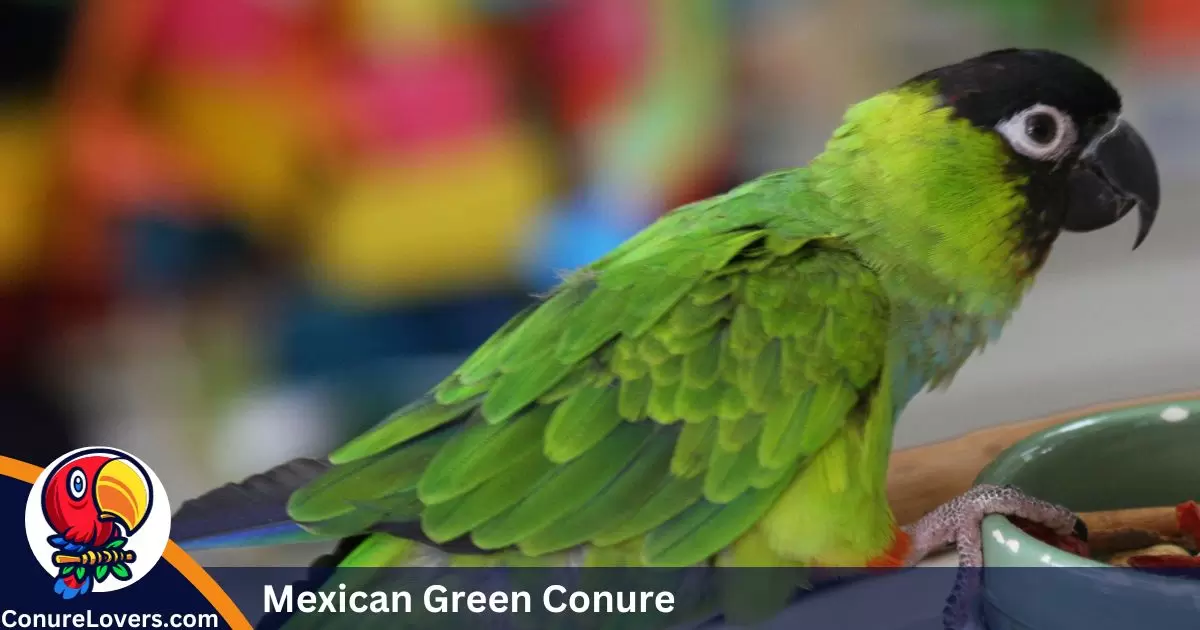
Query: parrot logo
[[97, 520]]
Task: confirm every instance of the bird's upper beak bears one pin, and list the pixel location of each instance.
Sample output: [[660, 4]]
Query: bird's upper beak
[[1115, 173], [122, 493]]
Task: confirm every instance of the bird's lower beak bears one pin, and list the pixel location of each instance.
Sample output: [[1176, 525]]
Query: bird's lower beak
[[1115, 173], [122, 493]]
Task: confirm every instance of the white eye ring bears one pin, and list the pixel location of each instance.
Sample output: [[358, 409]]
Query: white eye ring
[[1019, 130], [76, 484]]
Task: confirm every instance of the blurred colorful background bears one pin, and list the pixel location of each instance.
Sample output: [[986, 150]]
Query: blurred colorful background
[[236, 232]]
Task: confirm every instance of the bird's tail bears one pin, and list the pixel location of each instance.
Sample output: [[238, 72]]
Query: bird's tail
[[251, 513], [69, 586], [72, 580]]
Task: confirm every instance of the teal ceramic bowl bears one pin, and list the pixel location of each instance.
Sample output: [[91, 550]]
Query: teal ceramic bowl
[[1124, 457]]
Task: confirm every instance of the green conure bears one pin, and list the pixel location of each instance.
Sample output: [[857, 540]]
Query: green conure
[[722, 388]]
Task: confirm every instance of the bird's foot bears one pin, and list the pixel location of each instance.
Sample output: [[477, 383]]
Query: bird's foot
[[959, 523]]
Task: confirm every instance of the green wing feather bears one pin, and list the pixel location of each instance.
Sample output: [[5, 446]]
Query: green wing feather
[[669, 393]]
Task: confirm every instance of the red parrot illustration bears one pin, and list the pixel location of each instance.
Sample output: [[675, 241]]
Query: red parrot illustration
[[94, 502]]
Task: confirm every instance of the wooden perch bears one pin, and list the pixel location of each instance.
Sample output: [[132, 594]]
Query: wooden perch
[[94, 557], [1160, 520]]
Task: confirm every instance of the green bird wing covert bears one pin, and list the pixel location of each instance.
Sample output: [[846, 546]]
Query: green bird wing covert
[[668, 394]]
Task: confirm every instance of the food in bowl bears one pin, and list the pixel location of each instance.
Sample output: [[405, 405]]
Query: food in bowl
[[1153, 539]]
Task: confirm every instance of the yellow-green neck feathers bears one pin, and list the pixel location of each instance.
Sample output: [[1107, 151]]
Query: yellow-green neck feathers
[[930, 201]]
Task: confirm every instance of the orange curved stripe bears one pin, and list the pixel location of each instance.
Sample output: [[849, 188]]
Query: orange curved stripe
[[173, 554], [207, 586]]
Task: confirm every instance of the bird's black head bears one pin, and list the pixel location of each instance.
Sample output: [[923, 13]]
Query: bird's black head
[[998, 85], [1061, 121]]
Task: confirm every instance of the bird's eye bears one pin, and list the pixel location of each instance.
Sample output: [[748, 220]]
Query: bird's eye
[[1041, 132], [76, 484], [1041, 128]]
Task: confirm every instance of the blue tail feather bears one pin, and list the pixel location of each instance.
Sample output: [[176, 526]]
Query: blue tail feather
[[63, 588], [264, 536], [252, 513]]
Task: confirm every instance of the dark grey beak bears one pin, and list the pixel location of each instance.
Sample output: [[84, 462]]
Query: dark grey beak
[[1114, 174]]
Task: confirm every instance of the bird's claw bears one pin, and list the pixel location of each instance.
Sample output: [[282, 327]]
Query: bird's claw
[[959, 522]]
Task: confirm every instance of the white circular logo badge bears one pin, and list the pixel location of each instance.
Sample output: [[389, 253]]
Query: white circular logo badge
[[97, 520]]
